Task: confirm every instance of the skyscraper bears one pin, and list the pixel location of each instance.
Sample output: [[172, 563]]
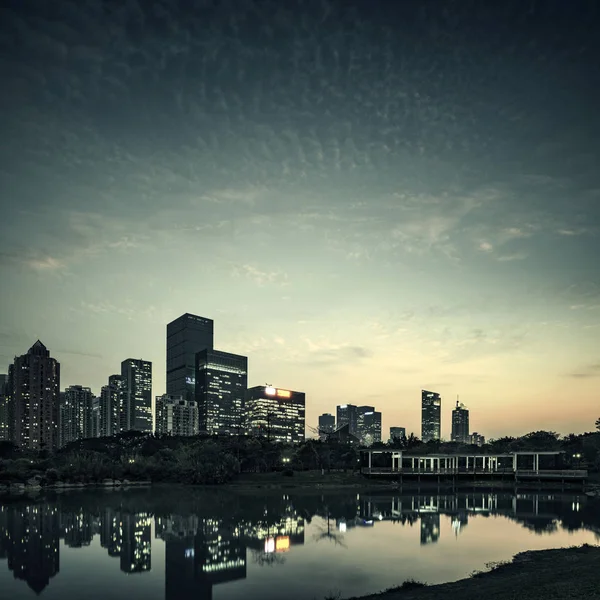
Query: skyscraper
[[460, 424], [175, 416], [4, 409], [347, 415], [368, 425], [431, 416], [221, 382], [111, 402], [136, 410], [397, 433], [186, 336], [276, 414], [36, 382], [326, 425], [75, 414]]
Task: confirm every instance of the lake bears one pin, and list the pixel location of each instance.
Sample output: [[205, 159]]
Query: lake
[[184, 544]]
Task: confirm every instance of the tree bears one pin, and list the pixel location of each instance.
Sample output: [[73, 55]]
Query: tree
[[598, 424]]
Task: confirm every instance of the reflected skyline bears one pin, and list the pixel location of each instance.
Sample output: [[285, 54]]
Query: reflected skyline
[[203, 551]]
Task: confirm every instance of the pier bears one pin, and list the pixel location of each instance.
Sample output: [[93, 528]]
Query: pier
[[517, 465]]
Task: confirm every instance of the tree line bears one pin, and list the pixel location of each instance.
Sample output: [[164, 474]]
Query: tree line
[[137, 456]]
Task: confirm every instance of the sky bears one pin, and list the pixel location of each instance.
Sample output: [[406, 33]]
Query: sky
[[368, 198]]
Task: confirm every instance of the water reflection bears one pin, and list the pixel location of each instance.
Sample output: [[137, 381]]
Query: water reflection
[[208, 537]]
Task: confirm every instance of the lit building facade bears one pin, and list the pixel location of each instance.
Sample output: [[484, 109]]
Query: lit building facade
[[326, 425], [397, 433], [136, 410], [368, 425], [460, 424], [186, 336], [431, 416], [110, 408], [36, 384], [75, 414], [275, 413], [221, 382], [347, 414], [175, 416]]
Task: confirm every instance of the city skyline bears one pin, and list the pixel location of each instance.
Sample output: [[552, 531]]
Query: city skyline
[[369, 198]]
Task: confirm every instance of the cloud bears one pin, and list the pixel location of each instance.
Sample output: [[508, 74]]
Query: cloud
[[572, 232], [486, 247], [511, 257], [586, 372], [35, 262], [260, 277], [326, 353]]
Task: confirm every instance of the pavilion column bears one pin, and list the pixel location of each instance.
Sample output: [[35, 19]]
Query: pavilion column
[[369, 460], [515, 464], [537, 463], [467, 463]]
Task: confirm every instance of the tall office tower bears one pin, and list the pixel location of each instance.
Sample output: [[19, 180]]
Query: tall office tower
[[75, 414], [111, 402], [186, 336], [136, 410], [95, 424], [4, 409], [175, 416], [460, 424], [276, 414], [431, 416], [347, 415], [368, 425], [397, 433], [221, 382], [326, 425], [36, 381]]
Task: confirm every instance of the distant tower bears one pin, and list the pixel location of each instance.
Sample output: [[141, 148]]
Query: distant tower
[[136, 410], [460, 424], [431, 416], [35, 384]]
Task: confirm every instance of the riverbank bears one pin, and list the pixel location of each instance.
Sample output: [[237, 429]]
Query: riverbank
[[565, 574]]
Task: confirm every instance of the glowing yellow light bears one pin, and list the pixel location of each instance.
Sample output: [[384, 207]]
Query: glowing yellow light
[[284, 394], [282, 544]]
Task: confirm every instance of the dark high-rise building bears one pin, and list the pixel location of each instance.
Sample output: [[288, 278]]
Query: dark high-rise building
[[431, 416], [186, 336], [136, 410], [35, 384], [111, 402], [4, 409], [368, 425], [476, 439], [460, 424], [221, 382], [275, 413], [326, 425], [347, 415], [75, 414], [397, 433]]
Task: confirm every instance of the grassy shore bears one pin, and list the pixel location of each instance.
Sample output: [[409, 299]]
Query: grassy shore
[[565, 574]]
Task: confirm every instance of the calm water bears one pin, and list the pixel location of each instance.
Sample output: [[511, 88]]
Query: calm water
[[183, 544]]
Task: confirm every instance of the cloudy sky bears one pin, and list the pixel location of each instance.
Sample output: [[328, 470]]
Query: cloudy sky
[[369, 198]]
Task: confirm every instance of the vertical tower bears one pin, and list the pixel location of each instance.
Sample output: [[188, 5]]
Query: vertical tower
[[4, 409], [36, 381], [347, 414], [460, 424], [221, 382], [186, 336], [75, 414], [431, 416], [136, 410], [111, 403]]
